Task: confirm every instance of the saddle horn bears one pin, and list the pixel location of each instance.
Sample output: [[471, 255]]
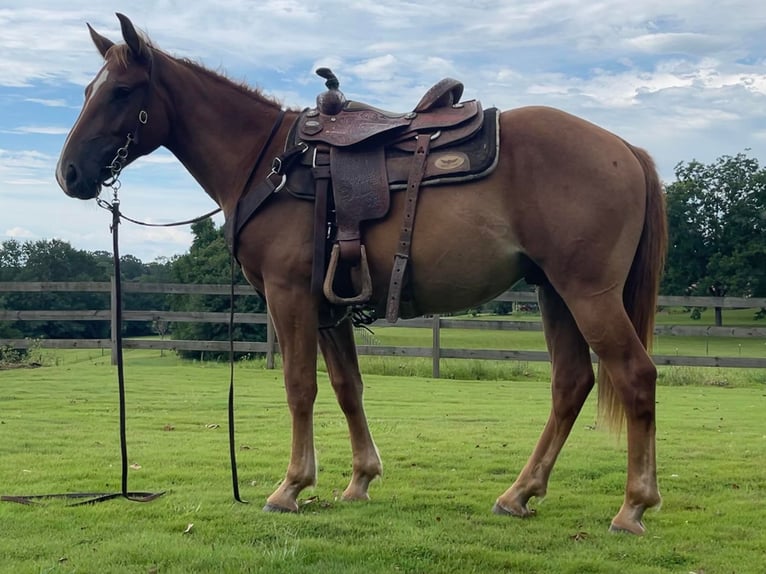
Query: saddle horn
[[332, 101]]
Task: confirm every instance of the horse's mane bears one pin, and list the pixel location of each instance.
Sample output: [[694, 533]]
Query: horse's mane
[[122, 53], [222, 78]]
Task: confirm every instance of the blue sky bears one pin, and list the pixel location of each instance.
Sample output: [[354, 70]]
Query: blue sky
[[683, 79]]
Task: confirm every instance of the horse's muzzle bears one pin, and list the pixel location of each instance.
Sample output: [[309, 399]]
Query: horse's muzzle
[[75, 184]]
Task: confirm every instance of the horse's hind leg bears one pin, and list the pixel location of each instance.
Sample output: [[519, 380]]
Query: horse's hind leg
[[633, 376], [339, 350], [572, 379]]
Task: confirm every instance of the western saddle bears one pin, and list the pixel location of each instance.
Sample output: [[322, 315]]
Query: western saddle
[[352, 142], [361, 154]]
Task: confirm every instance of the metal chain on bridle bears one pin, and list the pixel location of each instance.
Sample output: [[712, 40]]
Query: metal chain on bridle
[[116, 166]]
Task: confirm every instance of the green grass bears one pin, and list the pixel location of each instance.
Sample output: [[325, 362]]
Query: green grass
[[449, 449]]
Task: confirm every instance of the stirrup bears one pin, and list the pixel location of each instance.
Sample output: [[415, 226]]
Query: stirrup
[[366, 291]]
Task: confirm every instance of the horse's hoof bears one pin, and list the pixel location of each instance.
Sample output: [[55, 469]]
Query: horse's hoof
[[638, 529], [279, 509], [502, 511], [355, 496]]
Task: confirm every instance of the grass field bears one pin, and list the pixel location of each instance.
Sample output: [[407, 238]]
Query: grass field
[[448, 447]]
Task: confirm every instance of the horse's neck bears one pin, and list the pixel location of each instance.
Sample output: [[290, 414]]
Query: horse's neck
[[216, 130]]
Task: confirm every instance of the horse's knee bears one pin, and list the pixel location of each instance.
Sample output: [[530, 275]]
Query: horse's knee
[[301, 397]]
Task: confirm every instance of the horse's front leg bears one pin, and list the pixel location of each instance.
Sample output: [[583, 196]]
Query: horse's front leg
[[295, 321], [339, 350]]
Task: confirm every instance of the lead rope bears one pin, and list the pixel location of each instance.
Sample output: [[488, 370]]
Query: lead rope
[[114, 207], [114, 182], [232, 440]]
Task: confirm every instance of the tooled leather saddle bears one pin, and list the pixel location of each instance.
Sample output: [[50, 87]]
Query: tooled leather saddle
[[348, 157]]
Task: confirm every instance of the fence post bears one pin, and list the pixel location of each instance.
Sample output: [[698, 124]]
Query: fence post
[[270, 341], [436, 351], [114, 311]]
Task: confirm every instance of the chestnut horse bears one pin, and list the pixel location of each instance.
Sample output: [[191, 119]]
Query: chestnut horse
[[570, 206]]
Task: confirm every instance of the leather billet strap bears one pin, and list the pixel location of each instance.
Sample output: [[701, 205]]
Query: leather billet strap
[[405, 239], [320, 170]]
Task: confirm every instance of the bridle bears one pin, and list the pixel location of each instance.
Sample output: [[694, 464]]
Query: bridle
[[120, 159]]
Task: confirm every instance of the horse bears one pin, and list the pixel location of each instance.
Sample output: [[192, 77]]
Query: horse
[[571, 207]]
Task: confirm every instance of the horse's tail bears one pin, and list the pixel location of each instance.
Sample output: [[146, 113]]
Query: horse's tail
[[643, 284]]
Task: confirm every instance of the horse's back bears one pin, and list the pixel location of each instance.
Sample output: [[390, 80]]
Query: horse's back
[[566, 147]]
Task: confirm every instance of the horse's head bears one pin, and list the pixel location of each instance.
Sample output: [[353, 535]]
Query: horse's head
[[117, 122]]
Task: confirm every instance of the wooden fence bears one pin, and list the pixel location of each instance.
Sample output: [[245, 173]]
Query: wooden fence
[[270, 347]]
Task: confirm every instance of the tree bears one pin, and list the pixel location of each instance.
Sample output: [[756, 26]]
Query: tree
[[53, 260], [208, 261], [717, 229]]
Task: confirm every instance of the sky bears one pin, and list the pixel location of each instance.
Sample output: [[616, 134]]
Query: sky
[[684, 79]]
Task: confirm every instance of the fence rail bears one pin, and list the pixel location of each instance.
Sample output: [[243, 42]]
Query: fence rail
[[436, 352]]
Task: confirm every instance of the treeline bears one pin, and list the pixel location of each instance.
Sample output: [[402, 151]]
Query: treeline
[[717, 246], [717, 229], [207, 261]]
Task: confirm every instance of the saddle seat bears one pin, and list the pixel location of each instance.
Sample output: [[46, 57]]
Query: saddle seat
[[444, 93], [339, 122]]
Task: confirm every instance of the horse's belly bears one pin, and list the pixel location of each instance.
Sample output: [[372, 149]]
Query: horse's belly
[[463, 254], [463, 276]]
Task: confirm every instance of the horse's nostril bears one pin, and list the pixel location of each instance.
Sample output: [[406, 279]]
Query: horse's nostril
[[71, 174]]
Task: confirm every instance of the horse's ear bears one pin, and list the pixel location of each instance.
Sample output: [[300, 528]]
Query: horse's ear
[[133, 39], [103, 44]]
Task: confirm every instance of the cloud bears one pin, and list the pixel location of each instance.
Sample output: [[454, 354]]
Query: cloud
[[51, 103], [676, 42], [25, 166], [683, 79], [19, 233], [42, 130]]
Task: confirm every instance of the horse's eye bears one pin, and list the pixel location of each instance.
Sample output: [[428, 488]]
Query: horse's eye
[[122, 92]]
